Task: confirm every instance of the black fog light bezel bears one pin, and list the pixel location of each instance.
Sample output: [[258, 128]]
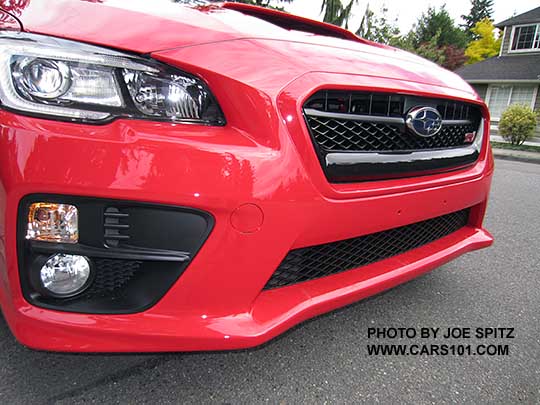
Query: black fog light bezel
[[164, 239]]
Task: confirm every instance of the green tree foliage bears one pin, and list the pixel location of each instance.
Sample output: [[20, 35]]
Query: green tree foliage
[[517, 124], [429, 50], [336, 13], [378, 28], [480, 10], [486, 45], [435, 37], [439, 23]]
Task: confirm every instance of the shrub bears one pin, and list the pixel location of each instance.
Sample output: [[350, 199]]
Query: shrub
[[517, 124]]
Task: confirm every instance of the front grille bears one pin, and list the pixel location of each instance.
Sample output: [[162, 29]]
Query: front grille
[[360, 136], [323, 260], [375, 122], [338, 134]]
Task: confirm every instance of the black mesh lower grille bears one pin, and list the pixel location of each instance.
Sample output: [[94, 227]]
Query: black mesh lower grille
[[334, 135], [323, 260], [112, 276]]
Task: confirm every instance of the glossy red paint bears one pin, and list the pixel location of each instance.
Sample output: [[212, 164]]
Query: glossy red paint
[[166, 25], [263, 159], [294, 21]]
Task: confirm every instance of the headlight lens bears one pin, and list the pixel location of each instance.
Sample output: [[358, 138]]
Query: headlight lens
[[69, 80], [41, 77]]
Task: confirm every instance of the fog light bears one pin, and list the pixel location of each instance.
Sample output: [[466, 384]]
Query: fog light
[[53, 222], [65, 275]]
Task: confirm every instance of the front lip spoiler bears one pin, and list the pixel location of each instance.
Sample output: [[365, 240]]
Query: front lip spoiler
[[359, 166]]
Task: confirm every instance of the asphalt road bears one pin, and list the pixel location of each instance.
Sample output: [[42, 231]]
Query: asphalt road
[[325, 359]]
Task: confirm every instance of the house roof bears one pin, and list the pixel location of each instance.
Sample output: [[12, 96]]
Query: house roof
[[505, 68], [531, 16]]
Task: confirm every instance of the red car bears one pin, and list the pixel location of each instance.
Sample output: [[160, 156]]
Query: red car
[[179, 178]]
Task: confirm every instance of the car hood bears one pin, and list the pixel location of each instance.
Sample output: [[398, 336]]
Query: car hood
[[140, 25], [146, 27]]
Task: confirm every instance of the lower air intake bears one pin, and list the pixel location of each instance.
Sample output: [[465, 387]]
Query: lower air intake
[[323, 260]]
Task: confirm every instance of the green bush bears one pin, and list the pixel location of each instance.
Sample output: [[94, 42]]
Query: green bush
[[517, 124]]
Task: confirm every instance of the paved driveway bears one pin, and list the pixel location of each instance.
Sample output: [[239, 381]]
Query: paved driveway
[[325, 360]]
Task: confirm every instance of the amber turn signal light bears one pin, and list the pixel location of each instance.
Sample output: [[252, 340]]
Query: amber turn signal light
[[52, 222]]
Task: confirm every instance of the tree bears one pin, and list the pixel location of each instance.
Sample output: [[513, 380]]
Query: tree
[[436, 37], [378, 29], [486, 45], [454, 57], [480, 10], [336, 13], [428, 50], [438, 22]]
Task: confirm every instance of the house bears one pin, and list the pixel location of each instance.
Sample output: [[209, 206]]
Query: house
[[512, 77]]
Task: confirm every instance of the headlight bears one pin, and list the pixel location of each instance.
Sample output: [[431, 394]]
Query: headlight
[[52, 77]]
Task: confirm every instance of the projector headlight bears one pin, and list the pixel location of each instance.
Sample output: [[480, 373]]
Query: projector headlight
[[52, 77]]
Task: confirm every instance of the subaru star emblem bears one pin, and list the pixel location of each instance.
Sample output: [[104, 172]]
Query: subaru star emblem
[[424, 121]]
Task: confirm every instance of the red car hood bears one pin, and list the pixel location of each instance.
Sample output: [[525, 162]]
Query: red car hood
[[144, 26]]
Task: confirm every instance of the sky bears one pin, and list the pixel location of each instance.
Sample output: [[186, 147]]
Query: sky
[[407, 11]]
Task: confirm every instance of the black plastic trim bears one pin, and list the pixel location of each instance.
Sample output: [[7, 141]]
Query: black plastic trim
[[134, 253], [163, 241]]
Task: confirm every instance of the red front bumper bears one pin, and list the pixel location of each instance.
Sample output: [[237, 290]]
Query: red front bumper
[[219, 302]]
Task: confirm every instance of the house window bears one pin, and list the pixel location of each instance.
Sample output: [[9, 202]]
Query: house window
[[499, 97], [526, 38]]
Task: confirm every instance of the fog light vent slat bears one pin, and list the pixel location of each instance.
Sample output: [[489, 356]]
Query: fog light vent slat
[[115, 227], [113, 214]]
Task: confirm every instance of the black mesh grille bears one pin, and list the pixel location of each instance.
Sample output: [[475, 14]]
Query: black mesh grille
[[340, 128], [323, 260], [112, 275], [334, 135]]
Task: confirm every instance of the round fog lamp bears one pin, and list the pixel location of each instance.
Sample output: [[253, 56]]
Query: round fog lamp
[[65, 275]]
